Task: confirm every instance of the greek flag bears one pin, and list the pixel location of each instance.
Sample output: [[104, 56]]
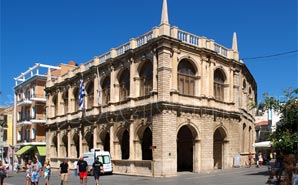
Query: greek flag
[[81, 95]]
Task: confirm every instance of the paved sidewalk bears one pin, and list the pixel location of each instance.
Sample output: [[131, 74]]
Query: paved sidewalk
[[235, 176]]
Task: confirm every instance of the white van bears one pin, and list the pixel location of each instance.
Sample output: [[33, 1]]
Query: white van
[[103, 156]]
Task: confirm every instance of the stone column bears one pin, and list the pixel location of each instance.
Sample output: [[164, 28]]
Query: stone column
[[70, 97], [94, 135], [211, 78], [131, 138], [81, 139], [70, 154], [133, 89], [231, 86], [58, 143], [154, 67], [164, 136], [95, 90], [175, 70], [113, 96], [204, 78], [112, 151], [60, 105]]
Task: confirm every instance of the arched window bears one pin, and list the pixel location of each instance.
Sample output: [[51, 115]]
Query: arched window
[[90, 94], [106, 90], [76, 97], [124, 85], [244, 85], [219, 85], [65, 101], [55, 102], [146, 79], [186, 78]]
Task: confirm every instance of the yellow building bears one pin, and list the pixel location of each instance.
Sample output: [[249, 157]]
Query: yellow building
[[164, 102]]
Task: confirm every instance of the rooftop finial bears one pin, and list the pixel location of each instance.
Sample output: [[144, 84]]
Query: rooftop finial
[[164, 14], [235, 44]]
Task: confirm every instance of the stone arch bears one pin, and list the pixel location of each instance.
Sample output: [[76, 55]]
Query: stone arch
[[65, 100], [90, 93], [123, 139], [186, 77], [219, 138], [220, 79], [145, 72], [192, 61], [75, 145], [105, 86], [75, 93], [104, 139], [64, 140], [123, 77], [54, 144], [88, 137], [187, 148]]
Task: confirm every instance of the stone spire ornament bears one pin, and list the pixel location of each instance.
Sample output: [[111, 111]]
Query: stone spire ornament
[[235, 44], [164, 13], [164, 27]]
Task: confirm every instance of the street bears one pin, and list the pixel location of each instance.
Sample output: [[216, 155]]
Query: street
[[243, 176]]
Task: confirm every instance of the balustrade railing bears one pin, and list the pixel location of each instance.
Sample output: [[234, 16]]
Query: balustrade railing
[[188, 38], [144, 38]]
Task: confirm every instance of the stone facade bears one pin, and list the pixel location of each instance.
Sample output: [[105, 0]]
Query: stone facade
[[164, 102]]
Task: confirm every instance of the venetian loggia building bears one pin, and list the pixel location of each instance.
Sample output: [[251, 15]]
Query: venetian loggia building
[[164, 102]]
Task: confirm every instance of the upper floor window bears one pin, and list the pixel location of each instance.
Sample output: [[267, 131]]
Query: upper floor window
[[124, 85], [146, 79], [219, 80], [186, 78], [244, 85], [90, 94], [106, 90], [76, 97], [65, 100], [55, 102]]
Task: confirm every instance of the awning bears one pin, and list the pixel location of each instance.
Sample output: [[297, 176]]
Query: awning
[[41, 150], [265, 144], [23, 150]]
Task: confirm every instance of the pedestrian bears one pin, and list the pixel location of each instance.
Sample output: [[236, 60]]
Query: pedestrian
[[260, 159], [83, 170], [64, 172], [250, 158], [38, 166], [47, 171], [3, 172], [34, 175], [75, 163], [97, 168], [28, 172]]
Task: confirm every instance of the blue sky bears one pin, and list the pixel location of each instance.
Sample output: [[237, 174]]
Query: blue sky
[[57, 31]]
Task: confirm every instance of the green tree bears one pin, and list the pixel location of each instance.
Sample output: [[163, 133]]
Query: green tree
[[285, 138]]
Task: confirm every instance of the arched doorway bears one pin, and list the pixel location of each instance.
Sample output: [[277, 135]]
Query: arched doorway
[[125, 145], [146, 144], [76, 142], [218, 147], [185, 149], [89, 140], [65, 143], [107, 142]]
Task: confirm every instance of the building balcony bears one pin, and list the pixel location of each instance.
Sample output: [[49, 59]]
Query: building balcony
[[38, 98], [24, 102], [23, 122], [38, 120]]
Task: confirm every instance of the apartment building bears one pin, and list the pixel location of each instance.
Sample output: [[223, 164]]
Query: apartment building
[[30, 109], [164, 102]]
